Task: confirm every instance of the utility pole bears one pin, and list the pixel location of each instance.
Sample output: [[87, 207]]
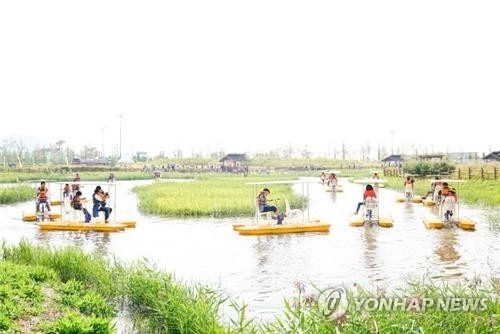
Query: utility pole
[[103, 131], [392, 141], [121, 118], [343, 151]]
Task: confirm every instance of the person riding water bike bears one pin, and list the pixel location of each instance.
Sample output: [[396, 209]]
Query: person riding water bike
[[99, 204], [409, 185], [264, 207], [76, 204], [369, 194], [322, 177], [448, 202], [332, 181], [42, 197]]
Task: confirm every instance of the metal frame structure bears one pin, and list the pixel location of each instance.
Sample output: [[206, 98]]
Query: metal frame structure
[[305, 193]]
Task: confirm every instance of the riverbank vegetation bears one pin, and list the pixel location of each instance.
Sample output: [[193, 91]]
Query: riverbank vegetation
[[14, 194], [67, 291], [15, 177]]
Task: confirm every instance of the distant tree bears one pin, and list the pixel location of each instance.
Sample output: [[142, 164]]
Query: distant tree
[[89, 152], [288, 151], [306, 153], [178, 154], [217, 155], [59, 144]]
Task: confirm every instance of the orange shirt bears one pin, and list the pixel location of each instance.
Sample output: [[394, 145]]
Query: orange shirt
[[42, 193]]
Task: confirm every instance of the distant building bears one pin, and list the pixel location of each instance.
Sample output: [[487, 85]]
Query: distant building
[[234, 162], [393, 158], [462, 156], [431, 157], [493, 156]]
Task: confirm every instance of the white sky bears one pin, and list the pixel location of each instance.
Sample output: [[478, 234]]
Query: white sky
[[245, 75]]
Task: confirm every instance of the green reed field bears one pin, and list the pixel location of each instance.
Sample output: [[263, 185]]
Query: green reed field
[[44, 290], [215, 196]]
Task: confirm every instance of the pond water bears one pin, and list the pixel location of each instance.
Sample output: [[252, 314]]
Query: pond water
[[261, 271]]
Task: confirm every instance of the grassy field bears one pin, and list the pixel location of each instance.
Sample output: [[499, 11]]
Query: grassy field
[[20, 193], [474, 191], [216, 196], [66, 291]]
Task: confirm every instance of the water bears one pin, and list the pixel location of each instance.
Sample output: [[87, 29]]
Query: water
[[262, 270]]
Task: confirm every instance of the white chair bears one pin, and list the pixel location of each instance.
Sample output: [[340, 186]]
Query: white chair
[[75, 215], [262, 215], [291, 213], [449, 204], [371, 206]]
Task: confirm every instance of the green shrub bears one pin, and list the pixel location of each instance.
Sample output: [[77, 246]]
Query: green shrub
[[428, 168], [76, 324]]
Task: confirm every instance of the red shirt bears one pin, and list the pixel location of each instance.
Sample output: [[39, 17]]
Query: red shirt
[[369, 193]]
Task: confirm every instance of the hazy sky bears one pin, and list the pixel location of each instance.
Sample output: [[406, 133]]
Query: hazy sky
[[245, 75]]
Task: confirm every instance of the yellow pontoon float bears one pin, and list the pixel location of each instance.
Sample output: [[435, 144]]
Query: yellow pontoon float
[[32, 217], [414, 199], [444, 219], [73, 220], [429, 202], [78, 226], [370, 213], [296, 221]]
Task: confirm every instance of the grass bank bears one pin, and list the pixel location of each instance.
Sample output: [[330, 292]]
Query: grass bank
[[216, 196], [479, 192], [34, 299], [66, 291], [13, 177], [14, 194]]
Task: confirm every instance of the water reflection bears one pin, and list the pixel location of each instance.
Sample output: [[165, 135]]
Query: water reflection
[[370, 257], [261, 248], [409, 209], [446, 250]]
